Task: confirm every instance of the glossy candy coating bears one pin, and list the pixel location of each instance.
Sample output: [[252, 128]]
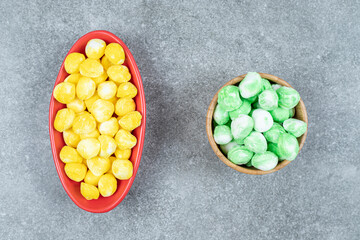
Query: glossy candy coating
[[256, 142], [229, 98]]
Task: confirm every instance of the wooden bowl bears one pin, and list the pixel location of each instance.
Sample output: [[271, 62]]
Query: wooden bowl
[[300, 113]]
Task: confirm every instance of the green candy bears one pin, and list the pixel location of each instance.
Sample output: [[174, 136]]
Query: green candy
[[239, 141], [273, 134], [288, 146], [275, 86], [262, 120], [240, 155], [265, 161], [291, 112], [222, 134], [268, 100], [295, 126], [251, 99], [242, 126], [249, 164], [225, 148], [266, 84], [251, 85], [288, 97], [272, 147], [229, 98], [221, 116], [279, 114], [245, 108], [256, 142]]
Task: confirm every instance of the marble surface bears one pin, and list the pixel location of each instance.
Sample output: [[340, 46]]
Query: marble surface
[[185, 51]]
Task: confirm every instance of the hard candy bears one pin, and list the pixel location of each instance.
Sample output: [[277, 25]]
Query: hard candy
[[251, 99], [251, 85], [262, 120], [291, 112], [256, 142], [288, 146], [266, 84], [265, 161], [245, 108], [279, 114], [273, 134], [288, 97], [221, 116], [222, 134], [295, 126], [229, 98], [275, 86], [242, 126], [268, 100], [240, 155], [273, 147], [107, 185], [225, 148], [89, 191]]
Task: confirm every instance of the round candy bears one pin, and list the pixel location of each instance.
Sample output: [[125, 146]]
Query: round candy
[[85, 88], [102, 110], [240, 155], [275, 86], [107, 90], [288, 146], [84, 123], [251, 99], [64, 119], [279, 114], [115, 53], [109, 127], [273, 147], [75, 171], [256, 142], [64, 92], [288, 97], [88, 148], [242, 126], [73, 61], [262, 120], [273, 134], [126, 89], [225, 148], [73, 78], [100, 79], [91, 68], [89, 102], [291, 112], [268, 100], [98, 165], [90, 178], [107, 185], [77, 105], [89, 191], [245, 108], [119, 73], [221, 116], [107, 146], [125, 140], [229, 98], [264, 161], [105, 62], [122, 169], [295, 126], [95, 48], [123, 154], [93, 134], [70, 155], [222, 134], [71, 139], [124, 106], [266, 84], [251, 85], [112, 159], [130, 121]]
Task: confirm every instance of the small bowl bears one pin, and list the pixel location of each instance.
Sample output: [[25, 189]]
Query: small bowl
[[300, 113], [72, 188]]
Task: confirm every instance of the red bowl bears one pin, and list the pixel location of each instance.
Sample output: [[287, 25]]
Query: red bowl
[[103, 204]]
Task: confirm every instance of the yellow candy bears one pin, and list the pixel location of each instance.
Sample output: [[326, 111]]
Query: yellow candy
[[71, 139], [107, 90], [73, 61], [112, 159], [64, 92], [109, 127], [85, 88], [100, 79], [89, 102], [123, 154], [95, 48], [113, 100], [73, 78], [93, 134], [126, 89], [115, 53], [89, 191], [70, 155], [98, 165], [90, 178], [122, 169], [107, 185], [119, 73], [84, 162], [125, 139], [106, 63], [77, 105], [107, 146], [130, 121], [91, 68], [64, 119], [88, 148], [75, 171], [102, 110], [84, 123], [124, 106]]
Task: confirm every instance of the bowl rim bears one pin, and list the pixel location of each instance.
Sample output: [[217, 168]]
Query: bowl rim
[[131, 60], [215, 147]]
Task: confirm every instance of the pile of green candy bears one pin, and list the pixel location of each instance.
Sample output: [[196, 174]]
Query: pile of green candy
[[254, 124]]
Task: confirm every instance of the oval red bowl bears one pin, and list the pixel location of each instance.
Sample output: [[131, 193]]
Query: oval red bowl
[[103, 204]]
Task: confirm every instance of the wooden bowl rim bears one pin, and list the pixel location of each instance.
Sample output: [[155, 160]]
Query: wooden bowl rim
[[218, 152]]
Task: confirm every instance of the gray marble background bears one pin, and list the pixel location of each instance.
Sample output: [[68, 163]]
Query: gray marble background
[[185, 51]]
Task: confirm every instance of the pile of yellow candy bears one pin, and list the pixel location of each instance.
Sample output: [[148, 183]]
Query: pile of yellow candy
[[98, 118]]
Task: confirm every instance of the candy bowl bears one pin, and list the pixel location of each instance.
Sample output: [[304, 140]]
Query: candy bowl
[[241, 120]]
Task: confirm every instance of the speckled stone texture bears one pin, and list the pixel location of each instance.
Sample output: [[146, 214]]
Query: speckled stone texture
[[185, 51]]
